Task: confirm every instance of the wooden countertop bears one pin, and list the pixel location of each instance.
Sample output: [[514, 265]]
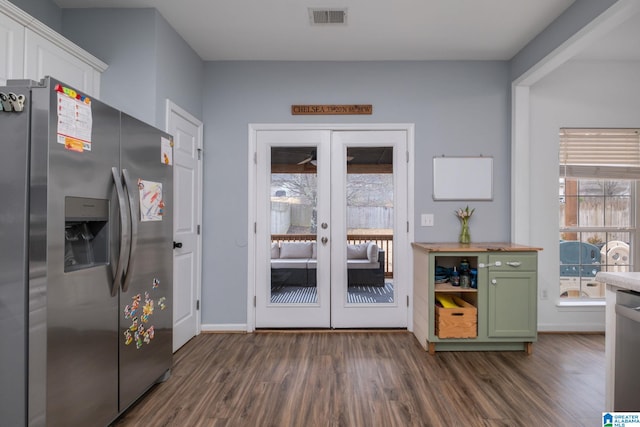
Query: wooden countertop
[[473, 247]]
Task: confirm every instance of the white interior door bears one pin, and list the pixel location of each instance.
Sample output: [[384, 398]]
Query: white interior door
[[369, 219], [331, 206], [292, 230], [187, 176]]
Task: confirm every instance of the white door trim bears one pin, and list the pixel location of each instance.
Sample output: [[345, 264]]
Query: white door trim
[[406, 254], [172, 109]]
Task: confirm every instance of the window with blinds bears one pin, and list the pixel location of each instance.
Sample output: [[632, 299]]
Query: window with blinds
[[597, 187], [600, 153]]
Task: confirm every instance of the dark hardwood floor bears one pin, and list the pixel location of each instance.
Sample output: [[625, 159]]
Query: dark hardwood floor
[[374, 379]]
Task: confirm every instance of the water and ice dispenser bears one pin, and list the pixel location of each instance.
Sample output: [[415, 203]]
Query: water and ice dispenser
[[86, 233]]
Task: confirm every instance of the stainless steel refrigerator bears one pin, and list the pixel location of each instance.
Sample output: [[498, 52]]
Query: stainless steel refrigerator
[[86, 257]]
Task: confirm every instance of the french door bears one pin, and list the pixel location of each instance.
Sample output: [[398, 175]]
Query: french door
[[330, 208]]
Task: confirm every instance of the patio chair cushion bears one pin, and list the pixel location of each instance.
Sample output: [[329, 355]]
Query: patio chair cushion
[[372, 252], [357, 251], [296, 250], [290, 263]]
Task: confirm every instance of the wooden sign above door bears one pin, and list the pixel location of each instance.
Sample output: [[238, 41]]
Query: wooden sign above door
[[331, 109]]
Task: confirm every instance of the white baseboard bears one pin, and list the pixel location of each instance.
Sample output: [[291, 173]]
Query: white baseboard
[[567, 327], [547, 327], [224, 327]]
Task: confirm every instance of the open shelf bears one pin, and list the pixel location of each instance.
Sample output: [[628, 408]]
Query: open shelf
[[447, 287]]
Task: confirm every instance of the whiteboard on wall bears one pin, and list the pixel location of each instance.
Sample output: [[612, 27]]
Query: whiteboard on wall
[[462, 178]]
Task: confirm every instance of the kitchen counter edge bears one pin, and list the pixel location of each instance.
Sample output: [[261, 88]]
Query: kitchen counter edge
[[625, 280], [474, 247]]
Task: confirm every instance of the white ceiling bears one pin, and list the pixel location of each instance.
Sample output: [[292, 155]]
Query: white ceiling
[[375, 29]]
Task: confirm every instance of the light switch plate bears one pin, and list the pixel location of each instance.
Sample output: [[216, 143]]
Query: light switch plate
[[426, 220]]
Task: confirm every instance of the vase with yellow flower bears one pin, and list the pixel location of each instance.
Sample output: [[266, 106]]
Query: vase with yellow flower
[[464, 215]]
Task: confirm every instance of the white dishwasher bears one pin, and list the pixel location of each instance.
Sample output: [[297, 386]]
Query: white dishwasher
[[627, 370]]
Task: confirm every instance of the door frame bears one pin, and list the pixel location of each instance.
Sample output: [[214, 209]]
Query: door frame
[[172, 109], [404, 254]]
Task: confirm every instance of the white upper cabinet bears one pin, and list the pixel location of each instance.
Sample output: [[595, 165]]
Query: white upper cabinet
[[11, 49], [44, 58], [31, 50]]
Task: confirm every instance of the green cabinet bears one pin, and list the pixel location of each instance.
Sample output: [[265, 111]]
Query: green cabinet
[[511, 306], [505, 296], [512, 295]]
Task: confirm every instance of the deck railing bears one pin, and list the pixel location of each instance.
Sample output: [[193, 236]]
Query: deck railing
[[384, 242]]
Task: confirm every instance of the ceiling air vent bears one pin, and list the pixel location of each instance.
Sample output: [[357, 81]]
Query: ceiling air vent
[[327, 16]]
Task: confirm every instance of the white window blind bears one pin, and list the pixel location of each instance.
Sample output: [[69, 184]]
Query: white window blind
[[600, 153]]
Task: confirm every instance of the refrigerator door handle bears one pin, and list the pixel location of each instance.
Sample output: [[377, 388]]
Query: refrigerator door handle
[[131, 191], [125, 233]]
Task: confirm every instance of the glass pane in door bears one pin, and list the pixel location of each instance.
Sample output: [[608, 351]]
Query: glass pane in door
[[294, 191], [369, 219]]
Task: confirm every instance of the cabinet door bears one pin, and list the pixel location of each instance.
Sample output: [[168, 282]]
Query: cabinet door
[[44, 58], [512, 309], [11, 49]]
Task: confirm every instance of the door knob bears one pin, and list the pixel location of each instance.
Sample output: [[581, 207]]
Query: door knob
[[324, 240], [177, 245]]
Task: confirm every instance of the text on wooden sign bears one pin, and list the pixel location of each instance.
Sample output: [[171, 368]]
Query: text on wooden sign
[[331, 109]]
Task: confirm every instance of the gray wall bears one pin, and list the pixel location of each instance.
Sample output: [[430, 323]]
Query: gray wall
[[459, 108], [45, 11], [180, 72], [148, 61]]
